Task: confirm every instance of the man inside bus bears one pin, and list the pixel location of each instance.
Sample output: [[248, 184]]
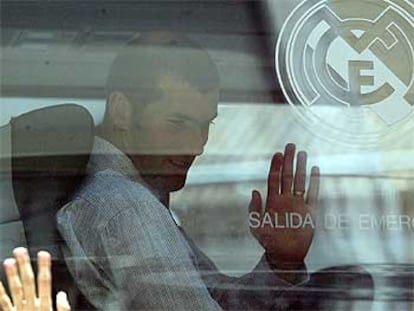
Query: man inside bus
[[123, 246]]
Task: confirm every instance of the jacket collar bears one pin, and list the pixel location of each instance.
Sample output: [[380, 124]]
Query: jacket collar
[[106, 156]]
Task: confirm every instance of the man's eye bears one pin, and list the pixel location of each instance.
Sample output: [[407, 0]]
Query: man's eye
[[177, 122]]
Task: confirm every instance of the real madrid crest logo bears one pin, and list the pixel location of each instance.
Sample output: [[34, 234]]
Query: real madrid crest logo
[[347, 67]]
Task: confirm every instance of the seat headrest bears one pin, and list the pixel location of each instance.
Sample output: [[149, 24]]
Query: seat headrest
[[43, 158]]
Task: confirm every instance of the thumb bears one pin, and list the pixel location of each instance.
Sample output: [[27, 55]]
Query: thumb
[[255, 213], [62, 302], [255, 203]]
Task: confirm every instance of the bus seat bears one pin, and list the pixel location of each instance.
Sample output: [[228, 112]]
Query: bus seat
[[43, 158]]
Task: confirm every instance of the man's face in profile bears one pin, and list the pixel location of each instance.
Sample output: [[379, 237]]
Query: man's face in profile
[[172, 131]]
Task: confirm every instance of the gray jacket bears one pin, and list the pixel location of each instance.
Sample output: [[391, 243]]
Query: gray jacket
[[126, 252]]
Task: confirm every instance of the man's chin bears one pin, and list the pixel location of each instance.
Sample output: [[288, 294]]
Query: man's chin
[[166, 183], [175, 182]]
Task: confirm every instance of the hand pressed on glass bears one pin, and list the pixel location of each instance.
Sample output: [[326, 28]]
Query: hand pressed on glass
[[286, 242], [22, 286]]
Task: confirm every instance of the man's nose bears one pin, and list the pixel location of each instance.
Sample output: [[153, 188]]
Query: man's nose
[[198, 140]]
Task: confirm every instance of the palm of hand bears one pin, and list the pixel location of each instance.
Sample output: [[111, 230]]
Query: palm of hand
[[287, 238], [285, 226]]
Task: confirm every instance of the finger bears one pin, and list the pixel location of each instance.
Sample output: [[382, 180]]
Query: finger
[[15, 285], [5, 302], [255, 206], [255, 212], [255, 203], [287, 171], [313, 190], [62, 303], [273, 180], [300, 175], [27, 276], [44, 280]]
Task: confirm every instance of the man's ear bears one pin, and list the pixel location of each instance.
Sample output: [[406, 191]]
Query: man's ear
[[119, 111]]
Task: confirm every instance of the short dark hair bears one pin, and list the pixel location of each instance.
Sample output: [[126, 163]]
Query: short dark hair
[[137, 69]]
